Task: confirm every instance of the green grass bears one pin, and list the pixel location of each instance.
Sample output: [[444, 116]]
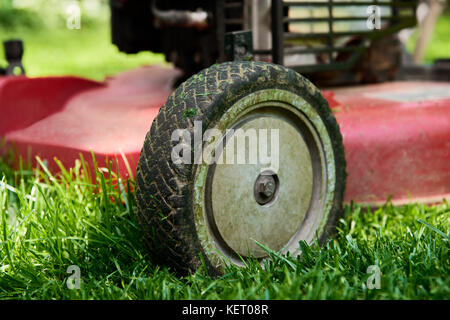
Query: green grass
[[49, 223], [86, 52]]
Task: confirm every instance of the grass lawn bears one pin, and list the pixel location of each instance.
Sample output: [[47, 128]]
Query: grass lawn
[[50, 223], [87, 52]]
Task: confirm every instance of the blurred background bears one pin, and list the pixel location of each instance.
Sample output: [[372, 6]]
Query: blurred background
[[73, 37], [56, 42]]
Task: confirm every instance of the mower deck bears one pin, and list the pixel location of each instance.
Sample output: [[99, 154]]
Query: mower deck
[[109, 118], [396, 135]]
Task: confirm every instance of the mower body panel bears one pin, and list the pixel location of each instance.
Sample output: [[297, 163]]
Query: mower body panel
[[397, 141], [64, 117], [396, 135]]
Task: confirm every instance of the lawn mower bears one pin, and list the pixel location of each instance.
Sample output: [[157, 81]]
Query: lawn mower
[[247, 75]]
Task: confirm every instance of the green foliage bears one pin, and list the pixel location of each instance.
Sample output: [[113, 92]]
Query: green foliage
[[48, 14], [48, 223], [12, 18], [87, 52]]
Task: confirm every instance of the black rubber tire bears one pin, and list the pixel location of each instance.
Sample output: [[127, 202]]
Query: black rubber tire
[[164, 190]]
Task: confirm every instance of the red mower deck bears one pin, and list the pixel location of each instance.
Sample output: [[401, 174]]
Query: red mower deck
[[396, 135]]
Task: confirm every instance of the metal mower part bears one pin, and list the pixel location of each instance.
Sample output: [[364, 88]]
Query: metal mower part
[[327, 41], [13, 54]]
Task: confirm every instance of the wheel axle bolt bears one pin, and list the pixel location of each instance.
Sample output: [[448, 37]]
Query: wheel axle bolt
[[266, 186]]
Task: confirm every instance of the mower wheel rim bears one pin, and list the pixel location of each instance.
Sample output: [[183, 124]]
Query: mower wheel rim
[[228, 218]]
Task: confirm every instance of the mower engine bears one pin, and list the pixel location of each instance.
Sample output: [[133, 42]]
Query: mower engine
[[331, 42], [186, 32]]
